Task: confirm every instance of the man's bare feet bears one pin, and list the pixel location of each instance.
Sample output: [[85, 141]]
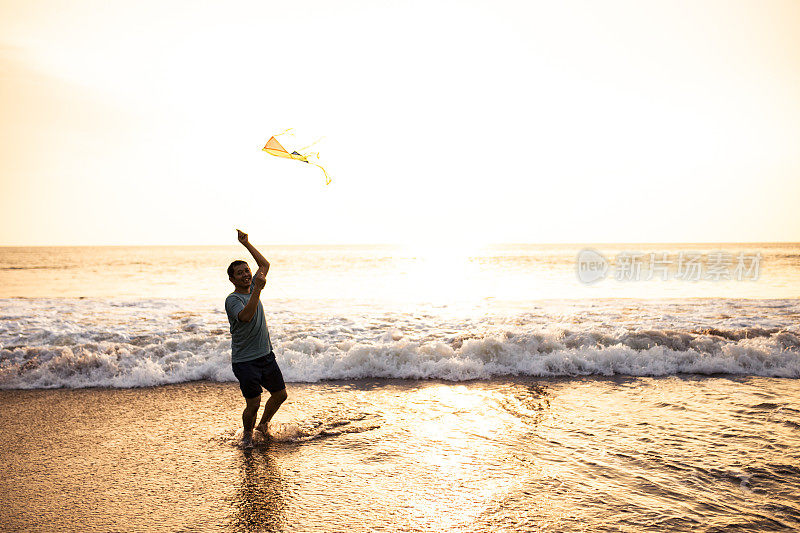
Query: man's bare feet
[[262, 428], [247, 441]]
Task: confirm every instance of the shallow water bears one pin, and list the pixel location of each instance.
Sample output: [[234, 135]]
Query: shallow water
[[629, 454]]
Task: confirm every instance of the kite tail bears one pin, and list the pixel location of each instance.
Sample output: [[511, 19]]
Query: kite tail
[[285, 132], [315, 155], [327, 178], [304, 148]]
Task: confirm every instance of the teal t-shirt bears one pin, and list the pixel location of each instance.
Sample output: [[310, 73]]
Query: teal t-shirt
[[249, 340]]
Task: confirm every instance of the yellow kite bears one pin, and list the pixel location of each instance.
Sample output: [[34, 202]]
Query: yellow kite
[[273, 147]]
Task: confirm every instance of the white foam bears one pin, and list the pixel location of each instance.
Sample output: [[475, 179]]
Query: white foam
[[86, 343]]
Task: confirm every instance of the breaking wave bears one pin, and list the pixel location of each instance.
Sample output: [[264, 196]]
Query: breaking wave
[[62, 350]]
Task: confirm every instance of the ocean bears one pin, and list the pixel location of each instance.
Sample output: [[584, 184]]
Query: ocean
[[630, 387]]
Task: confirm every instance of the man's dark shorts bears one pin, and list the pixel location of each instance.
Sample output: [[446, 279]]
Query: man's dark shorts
[[262, 371]]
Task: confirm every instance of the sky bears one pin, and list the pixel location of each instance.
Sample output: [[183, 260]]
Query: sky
[[141, 123]]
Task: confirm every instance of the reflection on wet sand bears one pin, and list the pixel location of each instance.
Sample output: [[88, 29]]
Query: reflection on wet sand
[[260, 502], [463, 449], [598, 454]]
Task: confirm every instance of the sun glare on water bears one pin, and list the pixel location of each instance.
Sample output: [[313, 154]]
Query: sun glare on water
[[446, 273], [450, 419]]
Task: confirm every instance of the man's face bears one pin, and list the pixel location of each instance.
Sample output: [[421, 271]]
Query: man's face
[[241, 276]]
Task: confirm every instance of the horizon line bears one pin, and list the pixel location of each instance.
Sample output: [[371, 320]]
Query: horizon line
[[393, 244]]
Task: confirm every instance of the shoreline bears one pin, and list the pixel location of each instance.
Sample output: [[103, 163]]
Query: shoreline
[[379, 382]]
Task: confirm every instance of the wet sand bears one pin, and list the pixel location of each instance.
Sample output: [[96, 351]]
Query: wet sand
[[111, 459], [164, 458], [629, 454]]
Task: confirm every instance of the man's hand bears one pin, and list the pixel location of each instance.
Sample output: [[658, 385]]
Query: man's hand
[[260, 279], [242, 236]]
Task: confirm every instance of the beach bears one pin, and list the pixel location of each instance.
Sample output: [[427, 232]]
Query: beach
[[426, 393], [592, 454]]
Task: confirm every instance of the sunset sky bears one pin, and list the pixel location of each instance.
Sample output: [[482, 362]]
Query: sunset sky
[[143, 122]]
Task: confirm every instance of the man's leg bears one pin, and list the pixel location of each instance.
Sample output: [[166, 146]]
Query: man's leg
[[271, 407], [249, 416]]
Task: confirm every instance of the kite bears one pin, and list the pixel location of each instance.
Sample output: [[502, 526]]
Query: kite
[[273, 147]]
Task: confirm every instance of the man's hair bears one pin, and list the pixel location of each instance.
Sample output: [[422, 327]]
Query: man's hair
[[234, 265]]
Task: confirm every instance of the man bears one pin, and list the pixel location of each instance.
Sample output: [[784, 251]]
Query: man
[[252, 357]]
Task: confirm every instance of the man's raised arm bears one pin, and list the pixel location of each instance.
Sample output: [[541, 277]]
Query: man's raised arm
[[260, 260], [259, 280]]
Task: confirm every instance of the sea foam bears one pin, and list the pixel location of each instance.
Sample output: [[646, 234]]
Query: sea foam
[[103, 343]]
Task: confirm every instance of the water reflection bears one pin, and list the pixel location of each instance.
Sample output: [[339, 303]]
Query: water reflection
[[529, 403], [469, 449], [260, 501]]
